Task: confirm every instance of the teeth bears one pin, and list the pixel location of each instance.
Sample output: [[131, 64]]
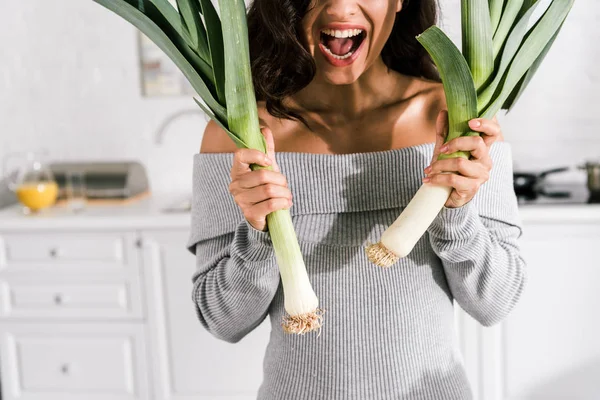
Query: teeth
[[348, 54], [342, 34]]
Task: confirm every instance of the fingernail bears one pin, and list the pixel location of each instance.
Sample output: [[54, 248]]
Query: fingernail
[[475, 122], [290, 203], [428, 169], [444, 148], [267, 160], [426, 179]]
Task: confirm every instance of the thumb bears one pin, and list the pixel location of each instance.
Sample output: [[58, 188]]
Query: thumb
[[270, 142], [441, 130]]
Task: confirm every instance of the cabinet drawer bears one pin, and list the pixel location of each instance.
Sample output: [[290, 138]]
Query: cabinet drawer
[[73, 362], [80, 249], [70, 299]]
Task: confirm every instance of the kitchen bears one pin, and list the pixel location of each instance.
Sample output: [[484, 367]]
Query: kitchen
[[95, 299]]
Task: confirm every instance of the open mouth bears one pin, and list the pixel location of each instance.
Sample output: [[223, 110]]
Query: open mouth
[[341, 44]]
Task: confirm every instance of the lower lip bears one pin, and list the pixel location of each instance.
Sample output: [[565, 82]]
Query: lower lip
[[341, 63]]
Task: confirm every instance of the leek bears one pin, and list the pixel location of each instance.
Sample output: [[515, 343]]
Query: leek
[[509, 14], [522, 53], [216, 62], [495, 13]]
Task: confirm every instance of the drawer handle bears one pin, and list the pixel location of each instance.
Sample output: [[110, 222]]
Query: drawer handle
[[58, 299], [54, 252], [64, 369]]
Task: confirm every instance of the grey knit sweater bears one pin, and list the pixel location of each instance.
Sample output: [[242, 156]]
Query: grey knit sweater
[[387, 333]]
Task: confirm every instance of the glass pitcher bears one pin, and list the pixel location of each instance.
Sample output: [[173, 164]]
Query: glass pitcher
[[34, 183]]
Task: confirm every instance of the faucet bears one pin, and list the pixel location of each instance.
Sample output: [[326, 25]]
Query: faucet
[[158, 135]]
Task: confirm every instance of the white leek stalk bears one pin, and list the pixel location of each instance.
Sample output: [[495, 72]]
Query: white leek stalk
[[300, 300], [522, 53], [216, 62], [400, 238]]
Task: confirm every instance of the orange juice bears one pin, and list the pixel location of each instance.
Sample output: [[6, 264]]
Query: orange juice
[[37, 195]]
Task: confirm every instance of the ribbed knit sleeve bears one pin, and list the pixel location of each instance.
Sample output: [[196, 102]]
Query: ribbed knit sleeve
[[479, 248], [236, 276]]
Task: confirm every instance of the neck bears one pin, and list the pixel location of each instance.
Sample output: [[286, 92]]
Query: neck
[[376, 87]]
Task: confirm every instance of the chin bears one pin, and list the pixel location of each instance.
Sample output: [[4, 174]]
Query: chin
[[340, 77]]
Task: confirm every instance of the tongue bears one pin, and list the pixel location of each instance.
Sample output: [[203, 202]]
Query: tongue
[[339, 46]]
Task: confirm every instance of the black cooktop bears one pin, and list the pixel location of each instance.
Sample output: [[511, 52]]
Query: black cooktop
[[563, 193]]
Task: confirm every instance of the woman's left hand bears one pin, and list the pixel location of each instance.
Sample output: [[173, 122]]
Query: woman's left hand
[[467, 175]]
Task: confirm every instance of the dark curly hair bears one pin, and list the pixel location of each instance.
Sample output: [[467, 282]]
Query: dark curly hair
[[281, 65]]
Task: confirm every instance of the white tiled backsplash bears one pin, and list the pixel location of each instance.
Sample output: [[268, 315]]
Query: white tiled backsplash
[[70, 83]]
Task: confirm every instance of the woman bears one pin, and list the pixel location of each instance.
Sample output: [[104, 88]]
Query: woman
[[357, 122]]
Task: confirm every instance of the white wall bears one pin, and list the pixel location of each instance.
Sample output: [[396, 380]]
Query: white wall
[[69, 82]]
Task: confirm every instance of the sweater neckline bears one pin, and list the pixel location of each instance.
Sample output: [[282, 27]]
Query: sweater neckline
[[320, 183], [341, 155]]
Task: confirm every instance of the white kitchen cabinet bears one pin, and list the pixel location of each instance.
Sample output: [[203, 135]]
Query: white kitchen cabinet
[[73, 361], [116, 321], [548, 348], [73, 250], [189, 363], [71, 315], [71, 297]]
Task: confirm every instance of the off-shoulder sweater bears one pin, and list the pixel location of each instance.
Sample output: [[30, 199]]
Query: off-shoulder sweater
[[387, 333]]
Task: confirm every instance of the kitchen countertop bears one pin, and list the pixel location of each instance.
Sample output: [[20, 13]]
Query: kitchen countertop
[[149, 213]]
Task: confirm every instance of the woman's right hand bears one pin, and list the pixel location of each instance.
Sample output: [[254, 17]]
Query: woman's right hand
[[259, 193]]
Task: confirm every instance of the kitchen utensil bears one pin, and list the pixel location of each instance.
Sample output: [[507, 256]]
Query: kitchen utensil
[[105, 181], [530, 184], [34, 184], [75, 191], [593, 175]]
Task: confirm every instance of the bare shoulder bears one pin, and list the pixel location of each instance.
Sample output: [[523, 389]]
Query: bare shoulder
[[427, 99], [216, 140], [434, 99]]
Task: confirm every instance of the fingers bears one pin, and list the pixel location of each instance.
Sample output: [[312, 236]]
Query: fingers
[[257, 214], [261, 193], [256, 178], [242, 159], [474, 144], [257, 193], [464, 167], [268, 134], [441, 130], [465, 186], [489, 128]]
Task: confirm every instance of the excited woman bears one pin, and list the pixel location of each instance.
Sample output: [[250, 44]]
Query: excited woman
[[354, 107]]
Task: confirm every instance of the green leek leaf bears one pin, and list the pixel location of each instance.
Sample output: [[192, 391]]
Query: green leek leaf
[[520, 87], [155, 15], [527, 4], [495, 13], [461, 97], [242, 112], [215, 43], [477, 40], [154, 33], [238, 142], [514, 41], [533, 45], [191, 16], [171, 15], [506, 22]]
